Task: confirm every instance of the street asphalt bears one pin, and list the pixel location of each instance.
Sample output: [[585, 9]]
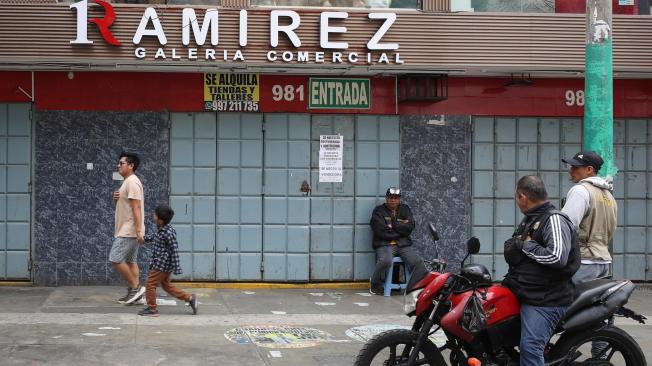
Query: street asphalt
[[86, 326]]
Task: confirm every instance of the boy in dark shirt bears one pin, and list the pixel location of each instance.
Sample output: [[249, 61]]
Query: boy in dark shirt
[[163, 262]]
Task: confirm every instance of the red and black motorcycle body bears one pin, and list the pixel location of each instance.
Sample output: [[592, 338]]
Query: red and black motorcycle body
[[501, 308], [500, 305], [445, 296], [489, 330]]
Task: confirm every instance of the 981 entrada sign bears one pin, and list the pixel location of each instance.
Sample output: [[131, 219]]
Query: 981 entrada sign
[[332, 93], [231, 92]]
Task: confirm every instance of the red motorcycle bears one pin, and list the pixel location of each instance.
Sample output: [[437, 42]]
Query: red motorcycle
[[482, 325]]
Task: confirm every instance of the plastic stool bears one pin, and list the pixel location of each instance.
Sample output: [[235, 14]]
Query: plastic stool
[[389, 285]]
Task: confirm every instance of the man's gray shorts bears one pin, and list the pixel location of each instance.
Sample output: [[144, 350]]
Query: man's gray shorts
[[124, 250]]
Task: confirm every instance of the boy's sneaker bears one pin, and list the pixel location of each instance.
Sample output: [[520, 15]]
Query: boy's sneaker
[[135, 294], [193, 304], [148, 312], [125, 297]]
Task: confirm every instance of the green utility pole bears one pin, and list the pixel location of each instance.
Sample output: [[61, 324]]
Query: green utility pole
[[598, 107]]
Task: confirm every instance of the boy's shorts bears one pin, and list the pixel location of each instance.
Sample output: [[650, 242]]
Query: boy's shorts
[[124, 250]]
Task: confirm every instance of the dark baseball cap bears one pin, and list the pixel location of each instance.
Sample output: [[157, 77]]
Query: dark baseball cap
[[585, 158]]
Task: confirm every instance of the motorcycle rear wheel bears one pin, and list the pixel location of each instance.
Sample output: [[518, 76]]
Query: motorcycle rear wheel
[[622, 349], [392, 348]]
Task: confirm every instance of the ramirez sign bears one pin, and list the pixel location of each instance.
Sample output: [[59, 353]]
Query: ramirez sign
[[199, 42]]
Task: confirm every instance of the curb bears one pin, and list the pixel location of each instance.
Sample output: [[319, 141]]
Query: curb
[[16, 283], [270, 285], [241, 285]]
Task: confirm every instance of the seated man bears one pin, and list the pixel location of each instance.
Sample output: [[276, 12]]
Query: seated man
[[391, 223]]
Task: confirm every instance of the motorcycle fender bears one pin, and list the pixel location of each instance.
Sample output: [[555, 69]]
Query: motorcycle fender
[[599, 311]]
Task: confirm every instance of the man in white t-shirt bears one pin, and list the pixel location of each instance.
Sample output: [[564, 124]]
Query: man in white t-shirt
[[129, 227]]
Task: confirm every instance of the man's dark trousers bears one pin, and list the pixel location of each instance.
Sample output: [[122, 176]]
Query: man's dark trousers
[[384, 256]]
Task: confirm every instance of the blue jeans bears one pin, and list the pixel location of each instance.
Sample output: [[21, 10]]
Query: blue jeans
[[537, 325], [588, 272]]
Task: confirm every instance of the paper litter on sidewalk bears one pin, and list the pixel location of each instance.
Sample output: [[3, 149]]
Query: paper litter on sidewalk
[[165, 302]]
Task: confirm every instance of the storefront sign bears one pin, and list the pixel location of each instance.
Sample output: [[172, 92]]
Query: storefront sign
[[331, 93], [231, 92], [200, 37], [330, 158]]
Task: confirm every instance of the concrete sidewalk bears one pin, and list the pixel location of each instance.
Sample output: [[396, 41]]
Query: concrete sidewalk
[[85, 326]]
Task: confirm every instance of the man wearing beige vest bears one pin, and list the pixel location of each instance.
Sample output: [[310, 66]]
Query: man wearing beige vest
[[592, 208], [129, 227]]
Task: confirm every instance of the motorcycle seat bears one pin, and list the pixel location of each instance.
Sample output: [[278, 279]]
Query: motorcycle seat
[[588, 293]]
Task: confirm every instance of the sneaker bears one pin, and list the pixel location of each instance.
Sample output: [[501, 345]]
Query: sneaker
[[125, 297], [193, 304], [135, 294], [149, 312], [141, 301]]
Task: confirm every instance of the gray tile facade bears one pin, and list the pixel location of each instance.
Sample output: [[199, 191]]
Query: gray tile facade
[[73, 216], [435, 158], [73, 208]]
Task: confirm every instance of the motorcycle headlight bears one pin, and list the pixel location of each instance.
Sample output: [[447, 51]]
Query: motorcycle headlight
[[410, 301]]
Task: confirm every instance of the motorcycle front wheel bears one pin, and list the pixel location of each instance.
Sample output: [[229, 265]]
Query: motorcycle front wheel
[[609, 346], [392, 348]]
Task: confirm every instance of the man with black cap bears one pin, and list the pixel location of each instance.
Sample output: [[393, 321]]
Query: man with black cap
[[392, 223], [592, 208]]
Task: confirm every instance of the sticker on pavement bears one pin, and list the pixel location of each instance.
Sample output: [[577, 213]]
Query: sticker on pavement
[[273, 336]]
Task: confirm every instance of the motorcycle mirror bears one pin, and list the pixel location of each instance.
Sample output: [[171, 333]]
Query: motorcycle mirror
[[473, 245], [433, 231]]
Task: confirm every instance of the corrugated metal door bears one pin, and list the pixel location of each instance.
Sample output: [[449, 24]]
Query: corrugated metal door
[[504, 149], [633, 190], [192, 191], [287, 210], [239, 196], [332, 205], [236, 184], [377, 160], [15, 207]]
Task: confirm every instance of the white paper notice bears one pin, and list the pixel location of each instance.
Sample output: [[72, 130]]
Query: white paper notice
[[330, 158]]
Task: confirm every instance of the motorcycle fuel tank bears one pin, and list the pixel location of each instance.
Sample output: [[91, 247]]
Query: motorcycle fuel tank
[[433, 288], [499, 305]]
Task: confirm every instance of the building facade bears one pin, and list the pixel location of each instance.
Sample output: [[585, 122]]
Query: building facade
[[234, 108]]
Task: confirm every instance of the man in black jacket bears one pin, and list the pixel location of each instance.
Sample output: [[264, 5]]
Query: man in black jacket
[[543, 255], [392, 224]]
